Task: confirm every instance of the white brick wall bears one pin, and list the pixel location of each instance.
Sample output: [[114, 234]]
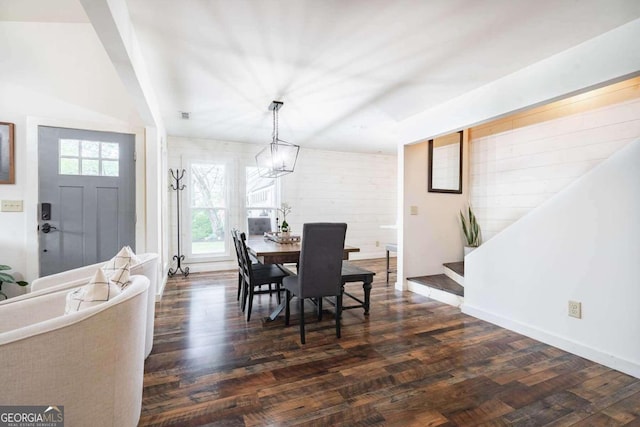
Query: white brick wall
[[515, 171]]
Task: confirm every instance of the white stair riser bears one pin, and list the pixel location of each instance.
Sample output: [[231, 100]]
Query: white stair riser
[[454, 276], [436, 294]]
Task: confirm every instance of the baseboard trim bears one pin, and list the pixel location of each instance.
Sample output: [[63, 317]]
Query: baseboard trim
[[579, 349]]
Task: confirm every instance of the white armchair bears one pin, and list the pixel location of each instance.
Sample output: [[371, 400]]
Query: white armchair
[[90, 361], [70, 279]]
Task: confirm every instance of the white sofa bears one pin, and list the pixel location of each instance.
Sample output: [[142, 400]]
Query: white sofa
[[70, 279], [90, 361]]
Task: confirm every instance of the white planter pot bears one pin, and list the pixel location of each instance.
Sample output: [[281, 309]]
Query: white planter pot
[[469, 249]]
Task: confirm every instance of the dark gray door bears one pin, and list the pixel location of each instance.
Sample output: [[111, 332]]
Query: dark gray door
[[86, 195]]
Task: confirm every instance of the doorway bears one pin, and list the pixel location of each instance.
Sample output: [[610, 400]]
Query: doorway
[[86, 196]]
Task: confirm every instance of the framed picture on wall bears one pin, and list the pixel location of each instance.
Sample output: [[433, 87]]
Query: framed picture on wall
[[7, 131]]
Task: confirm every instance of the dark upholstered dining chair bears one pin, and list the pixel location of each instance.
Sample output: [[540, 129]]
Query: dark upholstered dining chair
[[258, 226], [254, 276], [319, 272]]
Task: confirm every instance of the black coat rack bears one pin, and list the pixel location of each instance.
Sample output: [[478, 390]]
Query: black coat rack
[[178, 187]]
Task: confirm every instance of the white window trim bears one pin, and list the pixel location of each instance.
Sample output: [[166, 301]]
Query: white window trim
[[185, 213]]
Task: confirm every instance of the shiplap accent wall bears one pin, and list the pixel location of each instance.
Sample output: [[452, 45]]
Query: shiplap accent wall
[[515, 170], [357, 188]]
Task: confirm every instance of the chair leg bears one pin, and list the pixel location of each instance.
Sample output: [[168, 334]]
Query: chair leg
[[302, 340], [278, 290], [245, 291], [287, 309], [250, 303], [239, 286], [320, 309], [338, 313], [387, 267]]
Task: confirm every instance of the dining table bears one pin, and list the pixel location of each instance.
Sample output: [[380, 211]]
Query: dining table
[[267, 251]]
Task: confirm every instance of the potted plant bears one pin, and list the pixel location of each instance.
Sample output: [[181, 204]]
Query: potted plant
[[8, 278], [285, 208], [471, 231]]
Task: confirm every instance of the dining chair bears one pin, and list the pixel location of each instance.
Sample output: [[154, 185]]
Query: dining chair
[[235, 234], [255, 276], [258, 226], [236, 245], [319, 272]]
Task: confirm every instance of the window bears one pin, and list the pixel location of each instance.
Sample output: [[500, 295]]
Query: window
[[94, 158], [261, 196], [208, 209]]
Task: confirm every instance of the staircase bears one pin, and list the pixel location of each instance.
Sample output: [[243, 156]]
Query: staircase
[[447, 288]]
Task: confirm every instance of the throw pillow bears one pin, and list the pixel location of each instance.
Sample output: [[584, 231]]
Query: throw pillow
[[134, 258], [117, 268], [98, 290]]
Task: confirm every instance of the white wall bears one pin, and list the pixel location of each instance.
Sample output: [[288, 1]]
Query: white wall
[[514, 171], [359, 189], [44, 84], [433, 236], [580, 245], [613, 56]]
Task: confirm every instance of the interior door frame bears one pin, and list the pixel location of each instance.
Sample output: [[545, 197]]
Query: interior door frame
[[32, 246]]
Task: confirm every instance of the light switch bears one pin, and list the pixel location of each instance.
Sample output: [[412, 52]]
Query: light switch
[[413, 210], [12, 206]]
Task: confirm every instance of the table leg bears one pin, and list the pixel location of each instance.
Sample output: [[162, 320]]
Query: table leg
[[275, 313], [367, 295]]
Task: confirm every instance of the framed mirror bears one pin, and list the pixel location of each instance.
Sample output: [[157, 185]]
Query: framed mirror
[[445, 164]]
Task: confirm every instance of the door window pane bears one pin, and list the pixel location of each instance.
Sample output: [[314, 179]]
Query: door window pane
[[86, 158], [90, 167], [91, 149], [69, 147], [69, 166], [110, 168], [110, 150]]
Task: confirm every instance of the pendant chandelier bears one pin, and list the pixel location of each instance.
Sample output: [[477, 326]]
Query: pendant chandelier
[[279, 157]]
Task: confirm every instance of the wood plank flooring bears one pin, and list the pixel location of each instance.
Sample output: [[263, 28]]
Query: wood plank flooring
[[412, 362]]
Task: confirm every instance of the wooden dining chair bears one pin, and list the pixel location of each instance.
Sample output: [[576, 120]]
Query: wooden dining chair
[[319, 272], [236, 244], [255, 276]]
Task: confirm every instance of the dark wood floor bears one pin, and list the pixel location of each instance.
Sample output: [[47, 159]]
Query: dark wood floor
[[414, 361]]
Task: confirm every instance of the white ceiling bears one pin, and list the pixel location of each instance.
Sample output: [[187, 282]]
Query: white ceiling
[[50, 50], [348, 71]]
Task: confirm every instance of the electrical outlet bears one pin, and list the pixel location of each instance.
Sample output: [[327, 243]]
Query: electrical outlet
[[413, 210], [377, 243], [575, 309], [11, 206]]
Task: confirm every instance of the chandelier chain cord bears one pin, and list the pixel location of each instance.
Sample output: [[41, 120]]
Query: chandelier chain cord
[[275, 125]]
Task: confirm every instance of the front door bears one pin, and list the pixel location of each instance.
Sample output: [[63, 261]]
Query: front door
[[86, 195]]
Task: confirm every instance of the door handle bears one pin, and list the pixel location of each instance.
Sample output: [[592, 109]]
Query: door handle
[[47, 228]]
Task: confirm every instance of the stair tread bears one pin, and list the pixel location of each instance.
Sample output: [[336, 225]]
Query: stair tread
[[440, 281], [457, 267]]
